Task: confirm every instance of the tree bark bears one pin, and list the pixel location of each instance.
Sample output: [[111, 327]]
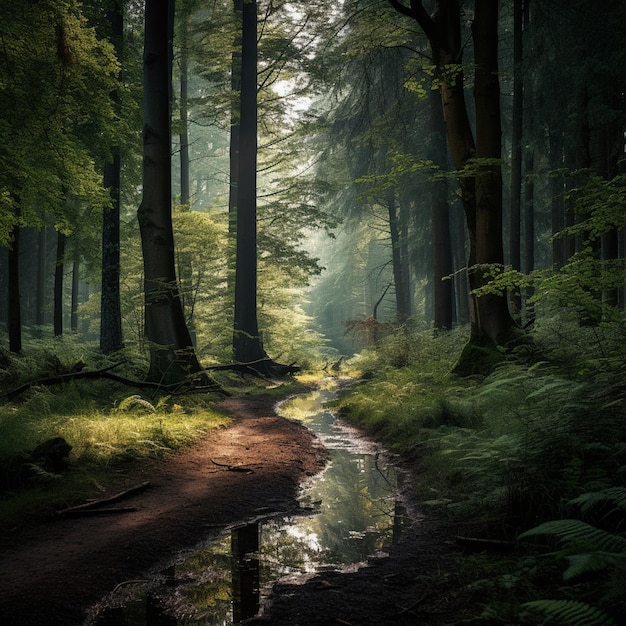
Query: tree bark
[[247, 344], [58, 284], [402, 312], [516, 151], [185, 196], [490, 321], [74, 307], [15, 311], [235, 118], [171, 352], [441, 236], [40, 302], [111, 337]]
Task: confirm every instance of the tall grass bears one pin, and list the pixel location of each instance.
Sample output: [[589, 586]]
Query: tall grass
[[110, 430]]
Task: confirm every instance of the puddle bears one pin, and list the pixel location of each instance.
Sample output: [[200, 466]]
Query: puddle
[[348, 512]]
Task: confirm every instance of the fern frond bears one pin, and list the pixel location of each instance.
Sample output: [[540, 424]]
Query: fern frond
[[614, 495], [591, 562], [135, 401], [569, 531], [570, 613]]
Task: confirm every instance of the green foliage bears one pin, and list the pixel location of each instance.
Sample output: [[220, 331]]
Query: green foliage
[[569, 613], [106, 426], [51, 143], [573, 531]]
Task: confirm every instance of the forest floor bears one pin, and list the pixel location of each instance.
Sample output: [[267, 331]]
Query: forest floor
[[51, 573]]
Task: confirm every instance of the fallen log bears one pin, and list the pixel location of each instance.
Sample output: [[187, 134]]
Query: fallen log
[[96, 504], [182, 387]]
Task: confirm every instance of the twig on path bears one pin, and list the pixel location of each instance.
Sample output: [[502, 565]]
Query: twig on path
[[94, 512], [234, 468], [95, 504]]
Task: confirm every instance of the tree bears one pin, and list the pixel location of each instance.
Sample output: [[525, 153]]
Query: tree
[[48, 143], [478, 162], [111, 339], [172, 356], [247, 345]]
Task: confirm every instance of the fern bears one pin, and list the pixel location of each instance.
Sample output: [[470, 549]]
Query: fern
[[591, 562], [569, 613], [573, 531], [135, 401], [614, 495]]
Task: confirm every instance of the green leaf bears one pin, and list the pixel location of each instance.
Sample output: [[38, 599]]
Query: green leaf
[[570, 613]]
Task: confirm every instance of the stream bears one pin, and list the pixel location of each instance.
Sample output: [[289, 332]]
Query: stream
[[348, 512]]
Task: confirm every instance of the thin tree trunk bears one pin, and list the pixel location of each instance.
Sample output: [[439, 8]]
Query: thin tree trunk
[[247, 344], [40, 302], [185, 195], [171, 353], [529, 233], [441, 241], [58, 284], [111, 337], [396, 258], [516, 151], [235, 119], [75, 303], [404, 257], [15, 313]]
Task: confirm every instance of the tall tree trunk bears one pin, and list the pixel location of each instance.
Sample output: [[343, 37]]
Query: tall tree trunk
[[441, 237], [15, 311], [529, 232], [40, 301], [58, 284], [490, 321], [75, 289], [403, 222], [402, 314], [185, 196], [516, 150], [459, 259], [235, 119], [247, 344], [171, 353], [111, 337], [493, 322]]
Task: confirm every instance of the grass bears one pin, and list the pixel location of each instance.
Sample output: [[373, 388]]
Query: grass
[[108, 438], [113, 430]]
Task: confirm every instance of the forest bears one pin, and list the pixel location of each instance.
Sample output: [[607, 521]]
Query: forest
[[236, 199]]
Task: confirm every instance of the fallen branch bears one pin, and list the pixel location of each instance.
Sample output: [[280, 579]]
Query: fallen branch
[[94, 504], [262, 368], [94, 512], [477, 543], [182, 387]]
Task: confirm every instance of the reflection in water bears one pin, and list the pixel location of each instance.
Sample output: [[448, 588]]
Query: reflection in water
[[349, 513]]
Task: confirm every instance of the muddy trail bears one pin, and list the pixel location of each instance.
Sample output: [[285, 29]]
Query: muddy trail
[[52, 573]]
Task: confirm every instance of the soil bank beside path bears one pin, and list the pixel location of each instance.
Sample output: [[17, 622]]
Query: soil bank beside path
[[51, 573]]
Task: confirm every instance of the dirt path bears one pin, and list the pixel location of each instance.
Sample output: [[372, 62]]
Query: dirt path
[[50, 574]]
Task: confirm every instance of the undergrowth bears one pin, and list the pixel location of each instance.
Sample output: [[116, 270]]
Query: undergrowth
[[111, 429], [501, 455]]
